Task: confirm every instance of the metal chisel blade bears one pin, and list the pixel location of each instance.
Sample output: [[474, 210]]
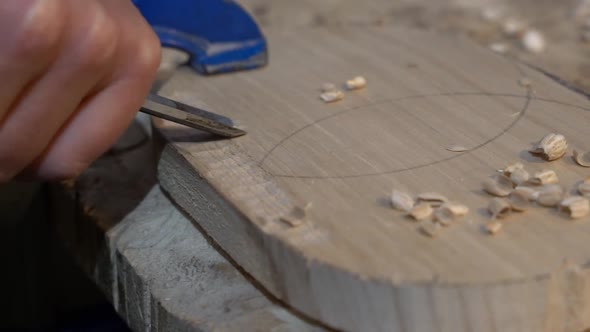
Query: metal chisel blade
[[190, 116]]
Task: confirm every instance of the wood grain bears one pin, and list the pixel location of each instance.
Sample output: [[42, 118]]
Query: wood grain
[[560, 22], [157, 269], [355, 264]]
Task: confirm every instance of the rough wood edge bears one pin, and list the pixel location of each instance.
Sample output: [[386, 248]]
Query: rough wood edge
[[102, 230]]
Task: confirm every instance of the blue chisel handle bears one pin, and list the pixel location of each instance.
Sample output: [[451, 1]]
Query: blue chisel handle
[[219, 35]]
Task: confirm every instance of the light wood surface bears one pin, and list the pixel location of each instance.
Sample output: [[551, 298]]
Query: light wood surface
[[151, 261], [561, 23], [356, 264]]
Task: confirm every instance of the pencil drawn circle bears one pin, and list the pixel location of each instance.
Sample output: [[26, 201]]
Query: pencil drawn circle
[[395, 135]]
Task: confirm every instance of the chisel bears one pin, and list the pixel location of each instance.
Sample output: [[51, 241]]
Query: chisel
[[190, 116]]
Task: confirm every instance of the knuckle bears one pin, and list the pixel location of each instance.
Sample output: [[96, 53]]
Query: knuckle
[[40, 28], [148, 55], [100, 43]]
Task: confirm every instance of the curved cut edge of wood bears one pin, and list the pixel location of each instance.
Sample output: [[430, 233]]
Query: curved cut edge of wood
[[371, 286], [345, 300]]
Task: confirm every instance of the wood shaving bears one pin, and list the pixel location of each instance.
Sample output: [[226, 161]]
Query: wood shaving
[[528, 192], [550, 195], [493, 227], [511, 168], [432, 198], [533, 41], [444, 217], [401, 201], [519, 176], [447, 213], [421, 211], [458, 210], [291, 221], [499, 185], [551, 147], [499, 208], [456, 148], [576, 206], [544, 177], [582, 158], [332, 96], [356, 83], [519, 201]]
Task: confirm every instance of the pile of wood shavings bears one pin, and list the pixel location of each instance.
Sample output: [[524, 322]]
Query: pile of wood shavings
[[434, 209], [514, 190]]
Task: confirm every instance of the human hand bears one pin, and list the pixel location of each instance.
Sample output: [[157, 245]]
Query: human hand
[[74, 73]]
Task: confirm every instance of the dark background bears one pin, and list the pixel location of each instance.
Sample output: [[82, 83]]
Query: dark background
[[42, 287]]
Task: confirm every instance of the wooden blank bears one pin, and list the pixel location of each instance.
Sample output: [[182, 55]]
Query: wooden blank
[[356, 264]]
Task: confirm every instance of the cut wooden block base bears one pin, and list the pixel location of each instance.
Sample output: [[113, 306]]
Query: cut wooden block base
[[354, 263]]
